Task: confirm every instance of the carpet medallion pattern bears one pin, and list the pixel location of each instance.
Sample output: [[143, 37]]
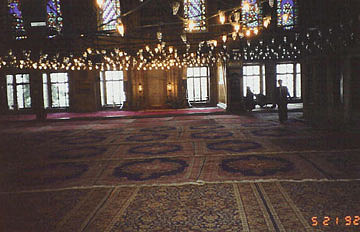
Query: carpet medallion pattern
[[206, 127], [79, 152], [212, 135], [147, 137], [256, 165], [90, 139], [159, 129], [141, 170], [155, 149], [233, 145], [54, 172]]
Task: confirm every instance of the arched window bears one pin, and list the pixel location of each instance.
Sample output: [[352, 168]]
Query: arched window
[[109, 14], [286, 13], [54, 18], [196, 10], [250, 13], [17, 19]]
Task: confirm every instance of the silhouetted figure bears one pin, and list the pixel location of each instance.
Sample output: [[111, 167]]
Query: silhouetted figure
[[281, 94], [249, 99]]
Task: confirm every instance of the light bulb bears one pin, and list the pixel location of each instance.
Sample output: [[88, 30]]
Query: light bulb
[[285, 17], [246, 6], [222, 17], [120, 28], [237, 27], [191, 25], [100, 3]]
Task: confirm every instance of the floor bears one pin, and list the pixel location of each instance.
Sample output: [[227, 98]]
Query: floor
[[113, 114], [211, 172]]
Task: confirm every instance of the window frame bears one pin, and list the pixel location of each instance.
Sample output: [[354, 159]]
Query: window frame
[[295, 75], [262, 82], [14, 86], [207, 77], [49, 83], [103, 89]]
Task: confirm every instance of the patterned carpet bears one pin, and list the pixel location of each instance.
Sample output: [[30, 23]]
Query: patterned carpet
[[190, 173]]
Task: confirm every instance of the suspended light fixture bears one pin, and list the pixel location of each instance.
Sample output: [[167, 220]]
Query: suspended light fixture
[[120, 28], [246, 6], [237, 27], [175, 7], [191, 25], [271, 3], [183, 38], [285, 17], [224, 38], [222, 17], [267, 21], [100, 3], [234, 35], [159, 35]]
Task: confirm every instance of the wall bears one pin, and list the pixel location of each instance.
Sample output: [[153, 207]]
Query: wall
[[83, 94]]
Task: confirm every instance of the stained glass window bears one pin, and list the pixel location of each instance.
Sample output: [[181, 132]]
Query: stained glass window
[[286, 13], [109, 14], [250, 13], [196, 10], [54, 18], [17, 20]]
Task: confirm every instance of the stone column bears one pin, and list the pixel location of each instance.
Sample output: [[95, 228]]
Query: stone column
[[234, 76], [270, 81], [346, 70], [36, 92], [3, 94]]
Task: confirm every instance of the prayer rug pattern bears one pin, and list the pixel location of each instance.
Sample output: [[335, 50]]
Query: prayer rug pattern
[[194, 173], [198, 208], [252, 167], [152, 171]]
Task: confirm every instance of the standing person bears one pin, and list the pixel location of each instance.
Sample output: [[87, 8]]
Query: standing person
[[281, 94]]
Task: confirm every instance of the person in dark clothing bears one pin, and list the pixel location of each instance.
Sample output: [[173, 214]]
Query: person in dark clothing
[[281, 94], [249, 99]]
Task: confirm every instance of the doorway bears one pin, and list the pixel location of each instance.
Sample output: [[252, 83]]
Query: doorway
[[156, 88]]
